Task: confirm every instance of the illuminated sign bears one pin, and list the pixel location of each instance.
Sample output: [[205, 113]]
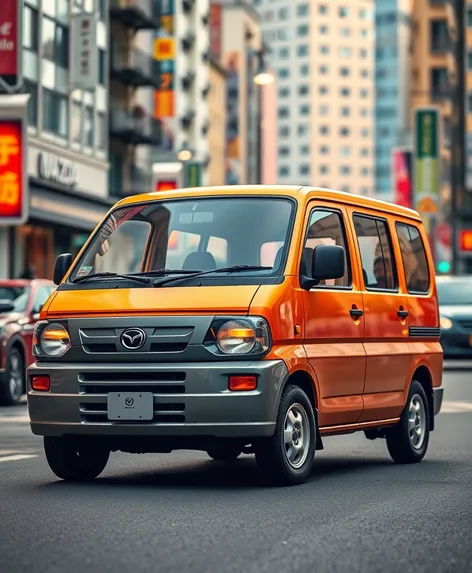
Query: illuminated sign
[[12, 181], [11, 53], [166, 185], [465, 240]]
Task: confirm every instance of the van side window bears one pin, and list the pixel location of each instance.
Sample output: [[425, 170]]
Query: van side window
[[377, 257], [415, 262], [325, 228]]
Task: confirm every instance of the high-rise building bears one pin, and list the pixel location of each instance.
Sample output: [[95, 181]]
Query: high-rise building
[[392, 85], [323, 52]]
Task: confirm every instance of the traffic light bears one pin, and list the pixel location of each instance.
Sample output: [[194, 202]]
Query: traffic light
[[444, 267], [465, 240]]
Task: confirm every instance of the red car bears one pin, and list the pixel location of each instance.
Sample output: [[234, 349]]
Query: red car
[[20, 303]]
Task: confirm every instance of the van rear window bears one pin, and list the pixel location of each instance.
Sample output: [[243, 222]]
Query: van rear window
[[415, 262]]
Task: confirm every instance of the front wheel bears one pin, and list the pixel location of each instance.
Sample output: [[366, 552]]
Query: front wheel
[[408, 441], [14, 384], [72, 461], [287, 457]]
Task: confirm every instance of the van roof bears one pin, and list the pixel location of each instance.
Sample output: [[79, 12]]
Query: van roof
[[296, 191]]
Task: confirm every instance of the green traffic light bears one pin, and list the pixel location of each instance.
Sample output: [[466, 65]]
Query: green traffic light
[[444, 267]]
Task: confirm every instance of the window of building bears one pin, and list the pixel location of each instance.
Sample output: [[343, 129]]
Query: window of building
[[324, 169], [365, 73], [76, 122], [324, 130], [284, 151], [302, 10], [323, 70], [439, 36], [324, 110], [304, 150], [324, 30], [344, 12], [302, 30], [345, 111], [364, 171], [303, 129], [345, 32], [283, 73], [345, 151], [102, 10], [439, 82], [364, 112], [303, 90], [365, 33], [344, 131], [101, 67], [305, 109], [469, 16], [284, 131], [415, 262], [344, 72], [326, 228], [302, 50], [323, 9], [364, 93], [365, 14], [324, 49], [377, 257], [364, 152], [89, 126], [324, 90], [304, 169], [304, 70], [30, 29], [469, 103], [345, 92], [365, 132], [324, 150], [101, 131], [284, 171], [55, 40], [283, 13], [55, 113], [364, 53], [283, 34], [345, 170], [469, 60], [31, 88], [345, 52], [284, 112], [284, 92]]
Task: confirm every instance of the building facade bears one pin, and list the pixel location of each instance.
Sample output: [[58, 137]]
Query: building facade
[[393, 21], [217, 127], [324, 56], [67, 140]]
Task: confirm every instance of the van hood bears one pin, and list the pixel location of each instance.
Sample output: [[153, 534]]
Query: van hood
[[81, 302]]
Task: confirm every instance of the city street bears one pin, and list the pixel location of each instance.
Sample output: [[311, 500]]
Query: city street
[[184, 513]]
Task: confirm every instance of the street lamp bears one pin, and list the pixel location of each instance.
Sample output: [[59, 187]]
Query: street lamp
[[262, 78], [184, 154]]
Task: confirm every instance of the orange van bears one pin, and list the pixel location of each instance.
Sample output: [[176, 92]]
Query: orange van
[[238, 320]]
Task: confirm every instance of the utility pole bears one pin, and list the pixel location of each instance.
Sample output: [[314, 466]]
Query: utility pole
[[459, 208]]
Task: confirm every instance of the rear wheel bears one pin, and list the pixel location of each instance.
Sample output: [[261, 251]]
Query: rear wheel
[[14, 384], [408, 441], [224, 453], [72, 461], [287, 457]]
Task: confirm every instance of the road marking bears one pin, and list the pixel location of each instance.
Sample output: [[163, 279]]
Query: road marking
[[17, 458], [456, 407]]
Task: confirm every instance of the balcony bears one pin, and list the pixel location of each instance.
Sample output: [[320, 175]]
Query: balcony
[[136, 14], [134, 68], [134, 127], [440, 43]]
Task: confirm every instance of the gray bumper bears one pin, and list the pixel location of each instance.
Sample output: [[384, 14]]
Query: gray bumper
[[438, 394], [190, 399]]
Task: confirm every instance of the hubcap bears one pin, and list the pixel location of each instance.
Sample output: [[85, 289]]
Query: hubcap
[[296, 435], [16, 377], [417, 422]]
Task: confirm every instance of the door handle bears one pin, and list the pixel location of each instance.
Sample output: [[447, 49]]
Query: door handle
[[356, 312], [402, 313]]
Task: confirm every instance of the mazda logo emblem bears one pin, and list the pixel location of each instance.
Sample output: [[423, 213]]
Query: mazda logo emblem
[[133, 338], [129, 401]]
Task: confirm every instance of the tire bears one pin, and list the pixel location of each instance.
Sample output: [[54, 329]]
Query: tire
[[224, 453], [71, 462], [13, 385], [407, 442], [272, 454]]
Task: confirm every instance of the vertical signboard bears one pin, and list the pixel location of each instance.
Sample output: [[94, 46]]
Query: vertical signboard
[[11, 50], [167, 176], [215, 29], [233, 152], [402, 183], [164, 54], [194, 175], [14, 201], [427, 161], [83, 51]]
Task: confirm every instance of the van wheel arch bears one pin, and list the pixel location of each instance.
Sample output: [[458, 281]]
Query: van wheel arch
[[423, 376], [306, 383]]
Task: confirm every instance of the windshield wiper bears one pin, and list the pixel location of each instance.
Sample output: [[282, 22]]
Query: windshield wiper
[[165, 272], [111, 276], [234, 269]]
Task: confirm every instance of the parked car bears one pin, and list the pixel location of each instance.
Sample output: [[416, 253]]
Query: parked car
[[20, 303], [455, 308]]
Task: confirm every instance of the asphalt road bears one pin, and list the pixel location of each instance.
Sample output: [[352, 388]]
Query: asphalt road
[[184, 513]]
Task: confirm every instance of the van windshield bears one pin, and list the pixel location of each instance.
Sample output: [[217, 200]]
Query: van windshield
[[198, 234]]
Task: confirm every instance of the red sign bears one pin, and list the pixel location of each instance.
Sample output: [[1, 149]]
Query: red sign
[[401, 176], [166, 185], [9, 35], [215, 29], [465, 240], [11, 169]]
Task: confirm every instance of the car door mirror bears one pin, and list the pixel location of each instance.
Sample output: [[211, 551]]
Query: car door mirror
[[63, 263], [328, 262]]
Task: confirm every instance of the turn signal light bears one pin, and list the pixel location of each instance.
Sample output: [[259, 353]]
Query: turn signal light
[[242, 383], [41, 383]]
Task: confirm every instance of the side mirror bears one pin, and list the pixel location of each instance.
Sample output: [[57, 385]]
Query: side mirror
[[328, 263], [63, 262]]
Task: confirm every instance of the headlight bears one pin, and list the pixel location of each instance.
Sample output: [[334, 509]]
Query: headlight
[[239, 336], [445, 323], [51, 340]]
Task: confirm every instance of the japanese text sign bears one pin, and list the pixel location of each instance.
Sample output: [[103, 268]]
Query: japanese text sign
[[12, 191]]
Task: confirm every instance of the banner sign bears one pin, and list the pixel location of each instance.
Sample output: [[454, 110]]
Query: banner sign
[[427, 161], [194, 174], [14, 198], [402, 160], [11, 50], [83, 55]]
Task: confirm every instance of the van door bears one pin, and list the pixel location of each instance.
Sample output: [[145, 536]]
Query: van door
[[386, 318], [334, 322]]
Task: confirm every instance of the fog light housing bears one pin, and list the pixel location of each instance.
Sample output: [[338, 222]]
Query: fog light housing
[[41, 383], [242, 383]]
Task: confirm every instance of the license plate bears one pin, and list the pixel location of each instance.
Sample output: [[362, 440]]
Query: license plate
[[130, 406]]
